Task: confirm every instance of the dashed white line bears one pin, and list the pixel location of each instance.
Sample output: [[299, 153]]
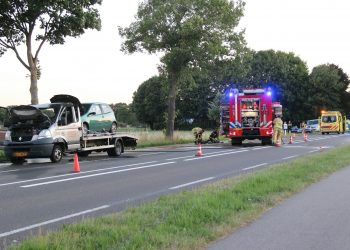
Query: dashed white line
[[192, 183], [290, 157], [94, 175], [255, 166], [215, 155], [52, 221], [70, 174]]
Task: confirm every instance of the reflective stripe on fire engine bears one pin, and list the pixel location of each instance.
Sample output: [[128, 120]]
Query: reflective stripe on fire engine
[[269, 124], [232, 125]]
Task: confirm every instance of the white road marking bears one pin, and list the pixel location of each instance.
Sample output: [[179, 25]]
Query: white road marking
[[313, 151], [70, 174], [290, 157], [189, 156], [209, 156], [51, 221], [94, 175], [5, 164], [261, 147], [255, 166], [192, 183]]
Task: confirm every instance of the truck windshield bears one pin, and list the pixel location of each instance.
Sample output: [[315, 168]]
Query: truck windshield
[[51, 111], [329, 118]]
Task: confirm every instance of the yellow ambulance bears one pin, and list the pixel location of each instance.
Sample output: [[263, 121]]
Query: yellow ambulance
[[332, 122]]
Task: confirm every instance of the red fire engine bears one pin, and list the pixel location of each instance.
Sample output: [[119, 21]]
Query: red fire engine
[[249, 115]]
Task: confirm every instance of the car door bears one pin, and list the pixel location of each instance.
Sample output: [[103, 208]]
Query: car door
[[69, 128], [107, 116], [95, 118]]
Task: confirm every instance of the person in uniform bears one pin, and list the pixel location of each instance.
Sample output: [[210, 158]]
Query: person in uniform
[[277, 130], [197, 132]]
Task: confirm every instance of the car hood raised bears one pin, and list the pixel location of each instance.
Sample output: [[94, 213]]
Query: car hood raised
[[25, 113]]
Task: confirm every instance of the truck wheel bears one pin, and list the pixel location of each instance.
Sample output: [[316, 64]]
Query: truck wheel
[[117, 150], [235, 141], [17, 161], [57, 153]]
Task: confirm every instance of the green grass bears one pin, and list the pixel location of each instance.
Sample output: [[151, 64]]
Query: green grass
[[2, 155], [193, 219]]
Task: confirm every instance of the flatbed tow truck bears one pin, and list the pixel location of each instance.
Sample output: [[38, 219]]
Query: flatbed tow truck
[[51, 130]]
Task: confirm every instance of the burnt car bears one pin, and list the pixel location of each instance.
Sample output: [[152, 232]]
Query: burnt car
[[46, 130]]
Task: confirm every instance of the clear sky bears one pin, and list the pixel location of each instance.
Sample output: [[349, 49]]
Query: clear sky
[[93, 68]]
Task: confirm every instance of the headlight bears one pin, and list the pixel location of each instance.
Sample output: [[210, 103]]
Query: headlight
[[44, 134], [8, 135]]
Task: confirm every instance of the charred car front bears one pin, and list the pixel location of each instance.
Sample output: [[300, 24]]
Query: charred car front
[[46, 130]]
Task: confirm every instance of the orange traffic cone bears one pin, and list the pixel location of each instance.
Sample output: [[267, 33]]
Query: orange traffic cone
[[291, 140], [199, 152], [76, 167]]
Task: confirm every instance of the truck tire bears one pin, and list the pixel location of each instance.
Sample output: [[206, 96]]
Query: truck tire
[[117, 150], [17, 160], [236, 141], [57, 153]]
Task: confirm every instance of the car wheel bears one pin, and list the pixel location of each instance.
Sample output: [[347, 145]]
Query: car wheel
[[57, 153], [85, 128], [113, 128]]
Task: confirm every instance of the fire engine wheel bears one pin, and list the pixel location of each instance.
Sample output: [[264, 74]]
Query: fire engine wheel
[[117, 150], [235, 142], [57, 154], [17, 161]]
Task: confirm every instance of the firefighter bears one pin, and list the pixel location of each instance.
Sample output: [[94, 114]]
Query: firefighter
[[197, 132], [277, 130]]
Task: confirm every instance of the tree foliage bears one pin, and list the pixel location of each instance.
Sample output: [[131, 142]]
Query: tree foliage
[[149, 102], [124, 114], [329, 84], [287, 75], [189, 34], [34, 22]]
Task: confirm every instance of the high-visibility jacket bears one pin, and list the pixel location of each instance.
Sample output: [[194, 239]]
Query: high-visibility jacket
[[277, 122]]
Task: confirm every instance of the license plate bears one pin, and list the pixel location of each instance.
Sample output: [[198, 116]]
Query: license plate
[[20, 154]]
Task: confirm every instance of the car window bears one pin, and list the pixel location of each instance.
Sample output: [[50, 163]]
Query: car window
[[95, 108], [106, 108], [85, 108], [67, 116]]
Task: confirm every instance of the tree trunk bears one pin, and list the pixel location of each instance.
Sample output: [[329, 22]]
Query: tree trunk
[[171, 105], [34, 85]]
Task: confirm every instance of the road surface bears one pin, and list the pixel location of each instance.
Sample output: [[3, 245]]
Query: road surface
[[40, 196]]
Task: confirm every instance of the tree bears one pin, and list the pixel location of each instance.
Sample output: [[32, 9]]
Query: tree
[[30, 21], [189, 34], [124, 114], [149, 102], [287, 75], [329, 84]]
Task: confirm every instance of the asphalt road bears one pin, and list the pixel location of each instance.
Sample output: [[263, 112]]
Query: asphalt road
[[40, 195]]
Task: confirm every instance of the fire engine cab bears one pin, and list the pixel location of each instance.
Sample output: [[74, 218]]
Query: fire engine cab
[[248, 115]]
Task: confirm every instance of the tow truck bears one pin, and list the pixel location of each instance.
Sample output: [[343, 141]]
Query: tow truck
[[248, 115], [53, 129]]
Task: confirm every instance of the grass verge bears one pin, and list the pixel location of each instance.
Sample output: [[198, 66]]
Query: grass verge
[[192, 219], [2, 155]]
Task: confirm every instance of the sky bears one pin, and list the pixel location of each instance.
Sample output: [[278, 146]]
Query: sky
[[93, 68]]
